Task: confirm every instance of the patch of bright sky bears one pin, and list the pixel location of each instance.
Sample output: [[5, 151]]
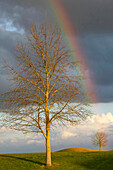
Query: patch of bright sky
[[100, 108], [7, 25]]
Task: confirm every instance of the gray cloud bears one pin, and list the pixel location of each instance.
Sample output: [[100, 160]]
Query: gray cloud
[[97, 52], [87, 16], [25, 13], [105, 93], [91, 15]]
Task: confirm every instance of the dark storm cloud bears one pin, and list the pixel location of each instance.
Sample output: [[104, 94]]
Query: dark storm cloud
[[92, 19], [104, 93], [91, 15], [97, 51], [87, 15], [3, 84], [8, 39], [8, 42], [25, 13], [15, 19]]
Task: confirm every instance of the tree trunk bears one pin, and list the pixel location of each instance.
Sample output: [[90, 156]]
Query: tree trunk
[[48, 147]]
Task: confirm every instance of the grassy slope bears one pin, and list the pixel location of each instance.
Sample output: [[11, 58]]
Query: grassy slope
[[77, 150], [60, 160]]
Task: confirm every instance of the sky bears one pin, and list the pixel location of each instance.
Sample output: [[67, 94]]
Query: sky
[[93, 32]]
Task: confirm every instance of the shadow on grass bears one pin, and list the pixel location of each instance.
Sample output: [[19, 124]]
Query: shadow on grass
[[23, 159], [98, 161]]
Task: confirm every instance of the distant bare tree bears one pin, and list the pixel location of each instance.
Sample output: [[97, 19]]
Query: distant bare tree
[[100, 139], [45, 88]]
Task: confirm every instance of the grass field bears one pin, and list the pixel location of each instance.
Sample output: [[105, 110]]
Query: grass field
[[60, 161]]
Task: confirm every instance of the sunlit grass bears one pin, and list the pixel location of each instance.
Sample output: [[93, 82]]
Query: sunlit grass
[[60, 160]]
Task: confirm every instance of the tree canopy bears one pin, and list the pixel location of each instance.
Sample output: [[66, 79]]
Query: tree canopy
[[100, 139]]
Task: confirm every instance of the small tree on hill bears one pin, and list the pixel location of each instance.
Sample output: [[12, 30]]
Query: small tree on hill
[[45, 88], [100, 139]]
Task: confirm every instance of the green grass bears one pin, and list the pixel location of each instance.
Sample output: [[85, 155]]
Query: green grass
[[60, 161]]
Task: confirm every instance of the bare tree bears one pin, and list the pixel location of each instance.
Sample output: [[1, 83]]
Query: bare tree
[[100, 139], [45, 87]]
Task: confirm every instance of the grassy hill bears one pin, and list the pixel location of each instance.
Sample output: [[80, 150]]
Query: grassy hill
[[77, 150], [60, 161]]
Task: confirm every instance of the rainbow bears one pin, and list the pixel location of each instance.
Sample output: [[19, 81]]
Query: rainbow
[[63, 19]]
